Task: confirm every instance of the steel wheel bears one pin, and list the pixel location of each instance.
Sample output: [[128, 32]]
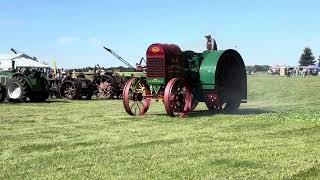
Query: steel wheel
[[105, 90], [69, 90], [177, 98], [134, 100], [222, 102], [230, 101]]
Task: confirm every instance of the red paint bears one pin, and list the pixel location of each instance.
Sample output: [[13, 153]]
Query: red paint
[[164, 60]]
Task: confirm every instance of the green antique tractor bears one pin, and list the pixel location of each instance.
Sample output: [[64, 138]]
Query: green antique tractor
[[20, 86], [181, 79]]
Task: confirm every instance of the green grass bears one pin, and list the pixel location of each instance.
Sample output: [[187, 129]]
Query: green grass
[[276, 135]]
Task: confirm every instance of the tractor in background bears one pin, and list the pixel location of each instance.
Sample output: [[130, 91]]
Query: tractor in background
[[22, 86], [113, 82], [181, 79], [76, 88]]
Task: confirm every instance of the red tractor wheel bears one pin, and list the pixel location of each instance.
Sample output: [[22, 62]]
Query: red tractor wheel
[[105, 90], [177, 98], [135, 101]]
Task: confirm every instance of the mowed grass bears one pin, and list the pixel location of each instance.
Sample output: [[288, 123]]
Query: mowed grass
[[275, 135]]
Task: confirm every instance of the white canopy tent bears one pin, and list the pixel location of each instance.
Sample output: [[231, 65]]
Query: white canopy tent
[[21, 60]]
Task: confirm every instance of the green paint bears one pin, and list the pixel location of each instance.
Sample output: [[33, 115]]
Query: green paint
[[208, 68], [157, 80], [155, 88]]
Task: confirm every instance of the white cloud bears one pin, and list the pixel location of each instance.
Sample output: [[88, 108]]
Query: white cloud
[[66, 40], [95, 41]]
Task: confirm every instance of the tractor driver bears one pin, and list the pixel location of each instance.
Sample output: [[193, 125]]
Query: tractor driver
[[211, 43]]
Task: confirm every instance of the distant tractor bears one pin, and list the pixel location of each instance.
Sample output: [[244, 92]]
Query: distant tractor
[[116, 81], [77, 88], [21, 86], [109, 85], [181, 79]]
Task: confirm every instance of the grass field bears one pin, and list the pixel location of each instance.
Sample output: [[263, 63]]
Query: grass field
[[275, 135]]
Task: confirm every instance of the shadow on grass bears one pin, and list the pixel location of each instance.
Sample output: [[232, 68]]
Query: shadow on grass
[[30, 102], [103, 99], [203, 113], [248, 111]]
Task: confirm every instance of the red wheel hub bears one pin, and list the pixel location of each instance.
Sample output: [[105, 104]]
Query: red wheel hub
[[134, 97]]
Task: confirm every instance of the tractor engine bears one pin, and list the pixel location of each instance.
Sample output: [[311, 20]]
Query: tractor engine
[[164, 61]]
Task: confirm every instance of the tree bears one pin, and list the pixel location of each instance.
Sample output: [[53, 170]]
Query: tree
[[319, 61], [261, 68], [307, 57]]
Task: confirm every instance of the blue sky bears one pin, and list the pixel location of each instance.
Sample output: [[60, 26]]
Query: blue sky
[[264, 32]]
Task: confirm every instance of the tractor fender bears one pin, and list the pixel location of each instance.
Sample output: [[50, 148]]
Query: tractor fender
[[24, 77], [217, 64]]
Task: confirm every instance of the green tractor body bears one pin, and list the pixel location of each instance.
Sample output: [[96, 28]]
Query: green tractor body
[[18, 87]]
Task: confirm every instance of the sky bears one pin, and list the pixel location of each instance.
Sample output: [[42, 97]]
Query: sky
[[73, 32]]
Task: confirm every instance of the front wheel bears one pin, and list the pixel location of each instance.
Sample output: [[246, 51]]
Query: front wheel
[[177, 98], [135, 97], [69, 90]]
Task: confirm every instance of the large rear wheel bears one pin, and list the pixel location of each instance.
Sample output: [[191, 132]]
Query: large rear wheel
[[17, 89], [135, 101], [194, 103], [177, 98], [43, 95], [222, 101]]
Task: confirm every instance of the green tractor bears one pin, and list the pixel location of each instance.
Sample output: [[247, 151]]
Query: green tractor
[[181, 79], [21, 86]]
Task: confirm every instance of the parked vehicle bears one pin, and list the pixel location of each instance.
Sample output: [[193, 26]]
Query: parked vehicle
[[22, 86]]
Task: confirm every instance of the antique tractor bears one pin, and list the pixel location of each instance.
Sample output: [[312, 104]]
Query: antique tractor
[[20, 86], [109, 85], [181, 79], [77, 88]]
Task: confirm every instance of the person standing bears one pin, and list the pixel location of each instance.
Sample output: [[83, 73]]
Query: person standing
[[211, 43]]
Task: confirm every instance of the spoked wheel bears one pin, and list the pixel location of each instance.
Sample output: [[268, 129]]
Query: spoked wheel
[[105, 90], [177, 98], [2, 92], [134, 97], [69, 90]]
